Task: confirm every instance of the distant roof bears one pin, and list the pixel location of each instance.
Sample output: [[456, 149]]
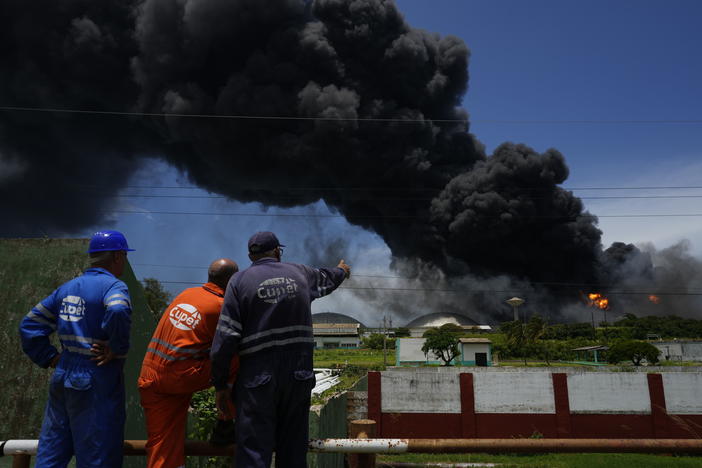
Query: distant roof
[[440, 318], [335, 329], [352, 326], [592, 348], [333, 317], [474, 340]]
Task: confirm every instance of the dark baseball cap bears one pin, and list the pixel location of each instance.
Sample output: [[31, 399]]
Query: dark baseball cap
[[263, 242]]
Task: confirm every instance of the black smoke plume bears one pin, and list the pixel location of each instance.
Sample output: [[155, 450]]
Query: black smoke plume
[[343, 102]]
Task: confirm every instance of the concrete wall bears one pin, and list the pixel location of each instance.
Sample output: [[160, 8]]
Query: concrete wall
[[616, 392], [683, 392], [679, 350], [557, 402], [422, 392], [503, 393], [409, 351]]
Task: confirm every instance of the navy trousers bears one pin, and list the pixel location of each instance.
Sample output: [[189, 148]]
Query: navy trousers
[[84, 416], [272, 396]]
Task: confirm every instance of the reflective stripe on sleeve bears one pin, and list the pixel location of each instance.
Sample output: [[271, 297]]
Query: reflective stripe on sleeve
[[276, 331], [40, 319], [176, 348], [322, 283], [230, 322], [120, 295], [166, 356], [227, 331], [269, 344], [40, 307], [117, 302]]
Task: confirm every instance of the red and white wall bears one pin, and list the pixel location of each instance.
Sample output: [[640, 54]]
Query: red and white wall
[[563, 403]]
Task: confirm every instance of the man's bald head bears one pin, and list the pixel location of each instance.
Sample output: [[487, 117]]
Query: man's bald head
[[220, 271]]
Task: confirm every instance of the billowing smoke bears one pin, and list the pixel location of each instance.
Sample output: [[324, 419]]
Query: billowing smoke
[[343, 102], [58, 171], [649, 281]]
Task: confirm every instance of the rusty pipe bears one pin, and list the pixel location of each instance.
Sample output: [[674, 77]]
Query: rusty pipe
[[692, 446]]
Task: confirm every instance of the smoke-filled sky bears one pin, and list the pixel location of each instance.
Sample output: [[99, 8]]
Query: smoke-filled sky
[[475, 143]]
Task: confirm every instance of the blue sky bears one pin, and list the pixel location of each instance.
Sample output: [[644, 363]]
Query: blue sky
[[541, 60]]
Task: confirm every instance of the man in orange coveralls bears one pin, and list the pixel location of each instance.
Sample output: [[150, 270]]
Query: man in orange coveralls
[[177, 364]]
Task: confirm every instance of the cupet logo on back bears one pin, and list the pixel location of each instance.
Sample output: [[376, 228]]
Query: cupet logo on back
[[72, 308], [184, 316]]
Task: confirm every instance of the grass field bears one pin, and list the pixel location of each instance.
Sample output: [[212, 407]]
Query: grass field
[[29, 271], [369, 358], [575, 460]]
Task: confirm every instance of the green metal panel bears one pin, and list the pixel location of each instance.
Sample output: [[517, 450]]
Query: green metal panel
[[30, 270], [143, 326], [397, 351], [328, 421]]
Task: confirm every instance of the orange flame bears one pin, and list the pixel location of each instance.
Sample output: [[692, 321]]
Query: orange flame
[[599, 301], [654, 299]]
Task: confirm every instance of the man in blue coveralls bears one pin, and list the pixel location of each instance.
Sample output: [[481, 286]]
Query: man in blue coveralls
[[91, 314], [266, 319]]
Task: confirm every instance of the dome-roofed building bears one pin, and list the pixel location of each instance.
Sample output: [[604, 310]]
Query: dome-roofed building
[[333, 317], [421, 324], [440, 318]]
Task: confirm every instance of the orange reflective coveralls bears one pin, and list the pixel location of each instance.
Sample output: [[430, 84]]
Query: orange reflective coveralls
[[177, 364]]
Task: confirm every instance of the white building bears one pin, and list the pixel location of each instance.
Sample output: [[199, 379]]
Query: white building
[[336, 335], [473, 352]]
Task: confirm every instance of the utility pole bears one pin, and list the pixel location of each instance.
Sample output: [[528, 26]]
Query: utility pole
[[604, 311], [385, 339]]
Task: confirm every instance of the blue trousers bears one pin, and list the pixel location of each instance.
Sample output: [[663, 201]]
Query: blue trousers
[[272, 396], [84, 416]]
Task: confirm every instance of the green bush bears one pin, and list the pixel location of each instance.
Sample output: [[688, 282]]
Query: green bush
[[375, 341], [669, 326], [203, 419], [634, 351]]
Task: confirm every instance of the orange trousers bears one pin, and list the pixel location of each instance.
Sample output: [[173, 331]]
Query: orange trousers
[[165, 396]]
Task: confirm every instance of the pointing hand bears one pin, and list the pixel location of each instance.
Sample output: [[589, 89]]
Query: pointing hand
[[345, 267]]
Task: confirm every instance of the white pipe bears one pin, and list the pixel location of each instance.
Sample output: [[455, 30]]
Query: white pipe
[[29, 447], [19, 447], [359, 445]]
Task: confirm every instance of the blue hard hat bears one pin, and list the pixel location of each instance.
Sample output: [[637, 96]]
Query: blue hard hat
[[104, 241]]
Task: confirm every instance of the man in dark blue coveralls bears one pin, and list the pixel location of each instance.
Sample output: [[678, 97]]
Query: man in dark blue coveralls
[[91, 314], [266, 319]]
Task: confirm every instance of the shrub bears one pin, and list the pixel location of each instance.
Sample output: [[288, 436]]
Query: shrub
[[634, 351]]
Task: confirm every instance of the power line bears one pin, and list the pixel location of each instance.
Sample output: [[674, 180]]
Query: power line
[[356, 275], [600, 286], [352, 119], [229, 116], [405, 189], [407, 199], [476, 291], [315, 215]]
